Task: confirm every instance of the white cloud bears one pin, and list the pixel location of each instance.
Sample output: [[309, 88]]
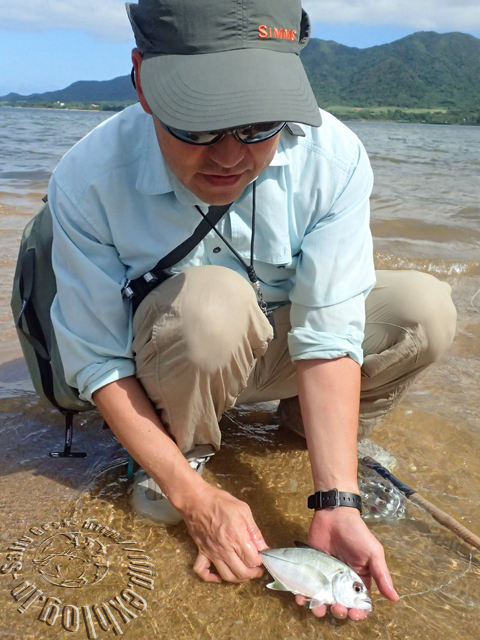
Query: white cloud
[[426, 15], [104, 18], [108, 19]]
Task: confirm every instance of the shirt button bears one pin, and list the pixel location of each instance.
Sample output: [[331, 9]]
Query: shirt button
[[217, 250]]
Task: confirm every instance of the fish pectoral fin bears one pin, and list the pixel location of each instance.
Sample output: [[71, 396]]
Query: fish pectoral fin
[[277, 586], [324, 594], [318, 600]]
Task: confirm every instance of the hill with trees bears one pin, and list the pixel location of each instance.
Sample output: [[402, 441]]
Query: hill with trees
[[424, 70], [115, 93], [426, 77]]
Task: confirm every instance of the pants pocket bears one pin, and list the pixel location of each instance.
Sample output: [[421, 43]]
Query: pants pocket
[[398, 359]]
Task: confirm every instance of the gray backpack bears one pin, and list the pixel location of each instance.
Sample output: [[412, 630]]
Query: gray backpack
[[35, 287]]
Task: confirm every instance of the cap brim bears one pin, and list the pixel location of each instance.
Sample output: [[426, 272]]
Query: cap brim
[[211, 91]]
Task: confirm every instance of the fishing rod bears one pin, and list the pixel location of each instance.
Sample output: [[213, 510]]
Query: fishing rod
[[440, 516]]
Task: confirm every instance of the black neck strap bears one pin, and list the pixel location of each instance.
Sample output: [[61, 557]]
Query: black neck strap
[[249, 268]]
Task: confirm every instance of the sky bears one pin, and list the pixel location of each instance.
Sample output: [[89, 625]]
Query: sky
[[47, 45]]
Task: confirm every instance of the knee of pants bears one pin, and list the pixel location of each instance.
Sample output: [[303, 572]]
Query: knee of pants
[[428, 303], [210, 313], [221, 317]]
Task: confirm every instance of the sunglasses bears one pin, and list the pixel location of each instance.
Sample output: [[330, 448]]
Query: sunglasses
[[247, 134]]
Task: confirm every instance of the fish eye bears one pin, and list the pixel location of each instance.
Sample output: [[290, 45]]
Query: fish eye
[[358, 587]]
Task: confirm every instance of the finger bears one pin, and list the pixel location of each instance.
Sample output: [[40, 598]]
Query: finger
[[319, 611], [243, 572], [357, 614], [246, 566], [339, 611], [202, 569], [256, 536], [249, 546], [228, 574], [382, 577], [247, 551]]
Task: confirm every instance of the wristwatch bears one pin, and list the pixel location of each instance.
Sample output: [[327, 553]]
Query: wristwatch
[[334, 498]]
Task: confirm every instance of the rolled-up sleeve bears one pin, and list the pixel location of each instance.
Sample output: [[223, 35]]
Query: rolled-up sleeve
[[90, 318], [335, 273]]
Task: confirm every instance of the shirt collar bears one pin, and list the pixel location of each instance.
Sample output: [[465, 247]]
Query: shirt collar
[[280, 159], [155, 178]]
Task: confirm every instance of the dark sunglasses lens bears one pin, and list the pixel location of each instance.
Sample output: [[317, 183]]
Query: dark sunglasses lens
[[259, 132], [195, 137], [249, 134]]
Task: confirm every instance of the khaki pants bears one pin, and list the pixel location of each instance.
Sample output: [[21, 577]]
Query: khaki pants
[[202, 345]]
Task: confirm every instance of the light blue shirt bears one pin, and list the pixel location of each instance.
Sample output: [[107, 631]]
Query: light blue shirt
[[117, 209]]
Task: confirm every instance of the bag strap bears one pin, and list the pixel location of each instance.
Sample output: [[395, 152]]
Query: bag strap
[[27, 278], [138, 289]]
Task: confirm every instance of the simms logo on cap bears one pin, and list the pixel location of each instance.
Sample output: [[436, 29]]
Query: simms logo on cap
[[274, 33]]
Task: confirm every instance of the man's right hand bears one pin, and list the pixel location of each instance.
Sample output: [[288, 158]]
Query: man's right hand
[[226, 535], [222, 526]]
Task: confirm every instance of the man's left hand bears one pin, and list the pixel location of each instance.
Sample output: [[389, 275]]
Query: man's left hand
[[342, 533]]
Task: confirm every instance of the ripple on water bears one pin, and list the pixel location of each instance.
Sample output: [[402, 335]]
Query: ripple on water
[[427, 232], [434, 266], [468, 213]]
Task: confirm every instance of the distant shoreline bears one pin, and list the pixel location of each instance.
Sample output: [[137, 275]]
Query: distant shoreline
[[439, 116], [11, 106]]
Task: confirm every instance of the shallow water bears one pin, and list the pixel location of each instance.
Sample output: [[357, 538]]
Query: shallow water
[[425, 215]]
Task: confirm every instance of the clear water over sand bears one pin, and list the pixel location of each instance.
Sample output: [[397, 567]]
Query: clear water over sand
[[425, 215]]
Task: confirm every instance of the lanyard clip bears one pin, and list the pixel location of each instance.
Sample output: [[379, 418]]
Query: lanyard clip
[[127, 291]]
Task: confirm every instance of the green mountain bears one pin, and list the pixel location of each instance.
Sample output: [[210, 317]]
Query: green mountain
[[425, 70], [116, 90]]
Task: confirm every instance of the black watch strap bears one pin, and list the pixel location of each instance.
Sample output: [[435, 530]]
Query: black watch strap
[[334, 498]]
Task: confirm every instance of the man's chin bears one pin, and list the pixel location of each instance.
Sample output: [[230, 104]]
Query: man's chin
[[215, 191]]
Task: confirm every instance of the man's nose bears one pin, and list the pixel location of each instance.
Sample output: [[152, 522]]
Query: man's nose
[[228, 152]]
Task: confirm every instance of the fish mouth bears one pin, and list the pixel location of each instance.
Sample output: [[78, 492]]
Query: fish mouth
[[364, 604]]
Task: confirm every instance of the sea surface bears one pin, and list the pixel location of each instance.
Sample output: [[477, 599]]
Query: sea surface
[[425, 216]]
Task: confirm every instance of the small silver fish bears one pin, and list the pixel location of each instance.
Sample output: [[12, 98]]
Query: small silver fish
[[319, 577]]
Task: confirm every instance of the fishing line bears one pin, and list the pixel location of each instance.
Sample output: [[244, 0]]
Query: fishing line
[[471, 302], [441, 587]]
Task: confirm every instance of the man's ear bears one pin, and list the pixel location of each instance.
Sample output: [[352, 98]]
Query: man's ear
[[137, 58]]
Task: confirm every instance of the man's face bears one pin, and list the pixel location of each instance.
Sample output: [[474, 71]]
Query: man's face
[[218, 173]]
